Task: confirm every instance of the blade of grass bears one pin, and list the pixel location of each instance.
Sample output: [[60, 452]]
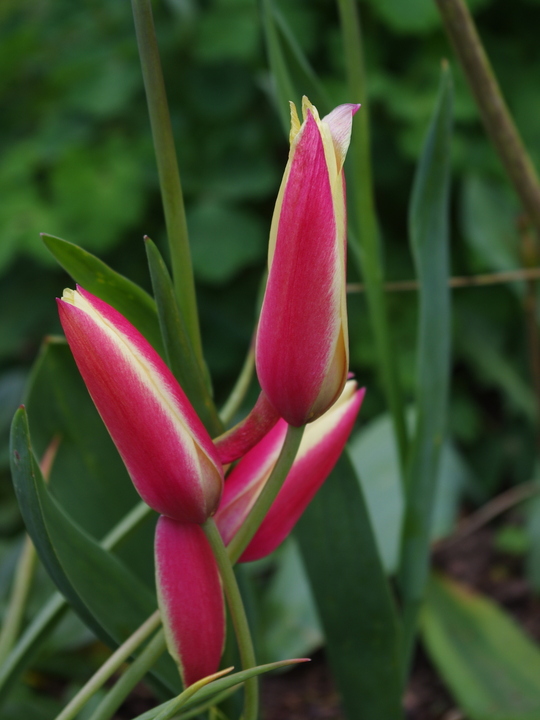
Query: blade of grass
[[178, 348], [353, 597], [429, 237], [367, 250], [169, 174]]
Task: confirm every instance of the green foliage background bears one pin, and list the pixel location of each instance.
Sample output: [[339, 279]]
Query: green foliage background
[[76, 161]]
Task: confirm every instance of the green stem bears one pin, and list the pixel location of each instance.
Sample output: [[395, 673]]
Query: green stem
[[268, 494], [368, 250], [136, 671], [127, 525], [169, 175], [117, 659], [17, 603], [496, 117], [238, 617], [240, 389], [28, 645]]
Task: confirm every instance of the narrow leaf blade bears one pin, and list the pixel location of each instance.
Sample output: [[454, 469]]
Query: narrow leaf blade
[[178, 348], [492, 668], [429, 236], [109, 598], [352, 596], [98, 278]]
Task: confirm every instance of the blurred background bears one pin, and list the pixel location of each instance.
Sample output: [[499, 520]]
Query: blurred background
[[76, 161]]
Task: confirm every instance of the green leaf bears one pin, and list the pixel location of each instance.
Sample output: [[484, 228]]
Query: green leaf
[[109, 598], [98, 278], [178, 348], [533, 533], [352, 596], [289, 623], [283, 83], [492, 668], [429, 237], [374, 455], [217, 686], [291, 69]]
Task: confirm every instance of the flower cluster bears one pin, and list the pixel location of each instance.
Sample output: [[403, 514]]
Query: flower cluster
[[302, 366]]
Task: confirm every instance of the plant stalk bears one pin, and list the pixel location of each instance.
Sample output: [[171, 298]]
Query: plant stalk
[[268, 494], [240, 388], [136, 671], [28, 645], [116, 660], [367, 248], [500, 126], [14, 614], [238, 617], [169, 174]]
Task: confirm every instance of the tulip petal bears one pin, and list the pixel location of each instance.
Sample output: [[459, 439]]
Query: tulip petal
[[321, 446], [340, 123], [167, 451], [190, 598], [236, 442], [300, 324]]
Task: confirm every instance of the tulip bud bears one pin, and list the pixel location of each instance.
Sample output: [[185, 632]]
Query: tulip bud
[[165, 447], [190, 598], [319, 451], [302, 351]]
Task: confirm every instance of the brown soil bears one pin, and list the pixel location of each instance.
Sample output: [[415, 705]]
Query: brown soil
[[308, 692]]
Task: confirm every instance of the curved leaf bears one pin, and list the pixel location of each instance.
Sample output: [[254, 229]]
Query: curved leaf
[[109, 598], [98, 278]]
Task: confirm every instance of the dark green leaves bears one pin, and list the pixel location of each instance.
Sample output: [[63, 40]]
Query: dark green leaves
[[429, 236], [98, 278], [353, 597], [109, 598], [492, 668], [178, 348]]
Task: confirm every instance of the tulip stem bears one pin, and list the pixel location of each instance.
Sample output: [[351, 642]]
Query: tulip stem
[[240, 388], [367, 248], [169, 174], [136, 671], [14, 614], [238, 617], [116, 660], [268, 494]]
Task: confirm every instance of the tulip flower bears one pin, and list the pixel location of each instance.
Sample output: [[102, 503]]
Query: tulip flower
[[165, 447], [189, 592], [302, 341], [321, 446], [190, 598]]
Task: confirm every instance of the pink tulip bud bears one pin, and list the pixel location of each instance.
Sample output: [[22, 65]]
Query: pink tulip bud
[[321, 446], [190, 598], [165, 447], [302, 351]]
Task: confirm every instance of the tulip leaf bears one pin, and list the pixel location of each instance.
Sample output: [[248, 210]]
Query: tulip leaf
[[207, 692], [429, 236], [178, 348], [98, 278], [88, 477], [352, 596], [291, 70], [107, 596], [491, 666]]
